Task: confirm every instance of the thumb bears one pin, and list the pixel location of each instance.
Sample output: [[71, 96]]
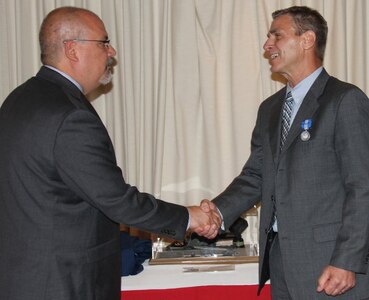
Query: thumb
[[322, 281], [206, 205]]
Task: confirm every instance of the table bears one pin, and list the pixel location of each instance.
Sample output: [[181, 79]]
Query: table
[[167, 282]]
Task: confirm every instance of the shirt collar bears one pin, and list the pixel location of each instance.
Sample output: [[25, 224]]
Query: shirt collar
[[299, 91]]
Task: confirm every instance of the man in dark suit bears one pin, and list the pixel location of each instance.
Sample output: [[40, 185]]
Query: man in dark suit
[[309, 167], [62, 195]]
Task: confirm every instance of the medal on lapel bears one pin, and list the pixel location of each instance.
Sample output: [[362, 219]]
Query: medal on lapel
[[305, 125]]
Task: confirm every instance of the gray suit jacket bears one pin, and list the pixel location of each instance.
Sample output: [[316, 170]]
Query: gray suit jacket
[[62, 197], [321, 186]]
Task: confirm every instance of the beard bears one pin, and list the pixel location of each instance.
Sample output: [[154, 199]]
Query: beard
[[108, 74]]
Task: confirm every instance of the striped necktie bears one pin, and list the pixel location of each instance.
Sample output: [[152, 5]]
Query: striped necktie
[[286, 117]]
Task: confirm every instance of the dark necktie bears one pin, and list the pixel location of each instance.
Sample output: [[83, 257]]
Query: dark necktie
[[286, 117]]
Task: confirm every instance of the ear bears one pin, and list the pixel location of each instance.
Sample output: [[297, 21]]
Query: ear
[[70, 50], [308, 39]]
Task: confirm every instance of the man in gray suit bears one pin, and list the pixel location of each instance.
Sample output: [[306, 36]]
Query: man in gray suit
[[309, 167], [62, 195]]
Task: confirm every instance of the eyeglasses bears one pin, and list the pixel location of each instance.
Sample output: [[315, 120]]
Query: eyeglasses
[[106, 43]]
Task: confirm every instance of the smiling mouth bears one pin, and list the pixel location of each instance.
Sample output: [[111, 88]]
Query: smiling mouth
[[274, 55]]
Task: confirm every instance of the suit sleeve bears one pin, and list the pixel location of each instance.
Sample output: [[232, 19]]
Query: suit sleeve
[[86, 163], [352, 150], [245, 190]]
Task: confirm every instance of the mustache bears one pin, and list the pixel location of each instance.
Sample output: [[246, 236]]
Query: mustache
[[108, 74], [110, 62]]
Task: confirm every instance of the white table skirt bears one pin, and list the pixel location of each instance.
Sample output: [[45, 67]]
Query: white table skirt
[[173, 276]]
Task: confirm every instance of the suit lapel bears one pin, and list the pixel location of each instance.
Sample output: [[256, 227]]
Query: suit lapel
[[307, 109], [275, 123]]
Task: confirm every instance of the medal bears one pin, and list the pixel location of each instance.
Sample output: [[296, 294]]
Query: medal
[[306, 125], [305, 136]]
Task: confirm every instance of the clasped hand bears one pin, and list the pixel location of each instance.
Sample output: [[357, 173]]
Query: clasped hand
[[205, 219]]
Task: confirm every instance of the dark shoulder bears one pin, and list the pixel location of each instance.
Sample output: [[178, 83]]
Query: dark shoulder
[[38, 105], [337, 86], [337, 92], [39, 95]]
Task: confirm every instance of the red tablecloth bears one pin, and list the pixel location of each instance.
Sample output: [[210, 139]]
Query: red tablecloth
[[218, 292]]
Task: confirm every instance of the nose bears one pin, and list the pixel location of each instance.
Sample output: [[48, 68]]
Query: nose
[[268, 44], [111, 51]]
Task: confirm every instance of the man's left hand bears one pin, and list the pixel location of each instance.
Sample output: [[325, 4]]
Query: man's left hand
[[335, 281]]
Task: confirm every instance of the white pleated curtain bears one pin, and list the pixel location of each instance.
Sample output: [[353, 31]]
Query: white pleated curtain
[[190, 76]]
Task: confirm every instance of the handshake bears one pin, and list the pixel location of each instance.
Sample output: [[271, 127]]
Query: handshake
[[205, 220]]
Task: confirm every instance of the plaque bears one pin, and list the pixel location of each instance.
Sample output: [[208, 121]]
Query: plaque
[[226, 248]]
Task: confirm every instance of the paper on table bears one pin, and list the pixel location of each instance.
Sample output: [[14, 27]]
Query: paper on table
[[209, 269]]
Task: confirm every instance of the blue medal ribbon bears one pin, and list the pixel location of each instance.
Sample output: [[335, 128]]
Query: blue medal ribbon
[[306, 124]]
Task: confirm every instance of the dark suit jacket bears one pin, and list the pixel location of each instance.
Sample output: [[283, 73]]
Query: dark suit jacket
[[321, 186], [62, 197]]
